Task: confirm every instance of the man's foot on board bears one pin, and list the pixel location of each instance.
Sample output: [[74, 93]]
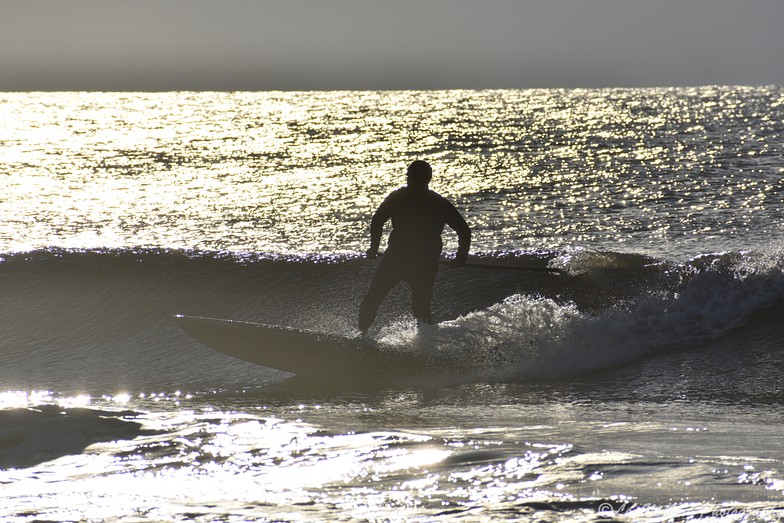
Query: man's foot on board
[[426, 326]]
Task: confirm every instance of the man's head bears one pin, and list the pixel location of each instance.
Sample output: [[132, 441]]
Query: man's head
[[419, 174]]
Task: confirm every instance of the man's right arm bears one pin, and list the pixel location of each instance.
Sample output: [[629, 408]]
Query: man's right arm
[[380, 217]]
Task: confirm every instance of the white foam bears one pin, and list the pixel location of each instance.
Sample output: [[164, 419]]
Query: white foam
[[526, 337]]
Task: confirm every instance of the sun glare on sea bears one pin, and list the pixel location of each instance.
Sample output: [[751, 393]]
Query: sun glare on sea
[[295, 173]]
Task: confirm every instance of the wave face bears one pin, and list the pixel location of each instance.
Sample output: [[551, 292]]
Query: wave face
[[100, 321]]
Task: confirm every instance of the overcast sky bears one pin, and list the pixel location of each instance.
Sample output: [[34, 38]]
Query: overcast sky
[[153, 45]]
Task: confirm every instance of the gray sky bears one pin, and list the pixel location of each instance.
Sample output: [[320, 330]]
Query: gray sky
[[152, 45]]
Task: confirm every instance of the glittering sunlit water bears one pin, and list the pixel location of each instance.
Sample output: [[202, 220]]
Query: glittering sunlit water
[[393, 457], [659, 170]]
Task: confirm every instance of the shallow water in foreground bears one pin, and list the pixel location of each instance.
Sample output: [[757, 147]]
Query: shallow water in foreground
[[476, 452]]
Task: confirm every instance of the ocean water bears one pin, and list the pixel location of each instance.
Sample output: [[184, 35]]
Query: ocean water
[[643, 383]]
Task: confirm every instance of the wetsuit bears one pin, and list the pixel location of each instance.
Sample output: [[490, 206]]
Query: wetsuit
[[414, 248]]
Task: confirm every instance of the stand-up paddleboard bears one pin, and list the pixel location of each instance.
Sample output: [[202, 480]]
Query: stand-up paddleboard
[[301, 352]]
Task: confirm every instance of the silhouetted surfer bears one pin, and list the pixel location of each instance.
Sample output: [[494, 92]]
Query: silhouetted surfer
[[414, 248]]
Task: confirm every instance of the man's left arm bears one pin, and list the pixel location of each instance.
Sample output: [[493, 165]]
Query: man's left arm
[[456, 221]]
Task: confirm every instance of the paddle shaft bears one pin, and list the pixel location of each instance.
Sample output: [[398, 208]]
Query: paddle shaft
[[475, 265], [525, 268], [505, 267]]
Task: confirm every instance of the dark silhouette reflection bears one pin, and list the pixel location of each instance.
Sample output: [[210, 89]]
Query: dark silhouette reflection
[[414, 247]]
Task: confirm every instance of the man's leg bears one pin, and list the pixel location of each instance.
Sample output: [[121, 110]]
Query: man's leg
[[386, 277], [422, 291]]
